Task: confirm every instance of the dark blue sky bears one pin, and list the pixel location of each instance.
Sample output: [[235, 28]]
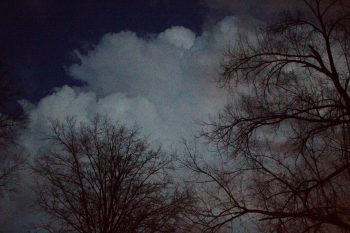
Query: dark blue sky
[[38, 36]]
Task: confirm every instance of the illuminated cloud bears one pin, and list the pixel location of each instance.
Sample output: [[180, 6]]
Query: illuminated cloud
[[163, 83]]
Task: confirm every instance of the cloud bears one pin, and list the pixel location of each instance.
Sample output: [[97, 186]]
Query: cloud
[[251, 5], [163, 83], [248, 11]]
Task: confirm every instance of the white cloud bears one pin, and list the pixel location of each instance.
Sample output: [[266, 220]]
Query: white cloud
[[179, 36], [163, 83]]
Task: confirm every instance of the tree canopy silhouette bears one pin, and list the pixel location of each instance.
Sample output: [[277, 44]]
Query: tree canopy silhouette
[[104, 178], [286, 132]]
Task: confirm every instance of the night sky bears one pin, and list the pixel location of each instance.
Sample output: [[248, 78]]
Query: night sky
[[158, 66], [37, 37], [150, 63]]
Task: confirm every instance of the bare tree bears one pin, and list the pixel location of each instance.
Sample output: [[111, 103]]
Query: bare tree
[[286, 133], [104, 178]]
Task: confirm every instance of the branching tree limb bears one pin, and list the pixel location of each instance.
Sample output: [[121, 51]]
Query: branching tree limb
[[286, 136], [105, 178]]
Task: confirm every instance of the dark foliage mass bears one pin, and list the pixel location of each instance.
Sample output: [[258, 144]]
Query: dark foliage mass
[[286, 132]]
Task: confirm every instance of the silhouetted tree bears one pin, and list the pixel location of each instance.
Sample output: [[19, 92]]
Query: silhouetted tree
[[104, 178], [286, 133]]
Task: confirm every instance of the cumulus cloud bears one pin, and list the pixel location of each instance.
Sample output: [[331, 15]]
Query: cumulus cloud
[[162, 83]]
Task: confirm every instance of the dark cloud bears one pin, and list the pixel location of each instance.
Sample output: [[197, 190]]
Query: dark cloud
[[38, 5], [255, 8], [246, 11]]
